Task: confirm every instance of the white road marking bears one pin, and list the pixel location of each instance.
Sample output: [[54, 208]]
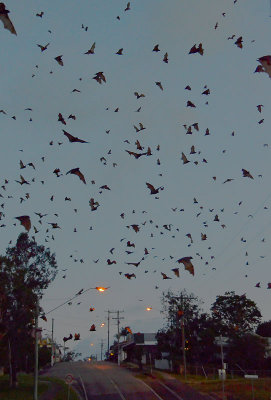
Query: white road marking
[[171, 391], [86, 397], [117, 389], [151, 389]]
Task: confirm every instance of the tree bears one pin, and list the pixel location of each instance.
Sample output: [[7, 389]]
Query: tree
[[123, 333], [25, 272], [71, 356], [248, 351], [201, 346], [264, 329], [175, 305], [235, 314]]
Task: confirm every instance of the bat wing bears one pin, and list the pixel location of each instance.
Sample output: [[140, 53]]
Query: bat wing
[[165, 276], [176, 271], [73, 138], [184, 158], [150, 186], [76, 171], [7, 23], [188, 266], [193, 49], [68, 135], [81, 176]]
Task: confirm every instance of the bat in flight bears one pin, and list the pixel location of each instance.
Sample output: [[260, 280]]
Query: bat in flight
[[165, 276], [176, 272], [72, 138], [129, 276], [25, 221], [5, 19], [91, 50], [194, 49], [152, 188], [76, 171], [247, 174], [59, 60], [65, 339], [186, 261]]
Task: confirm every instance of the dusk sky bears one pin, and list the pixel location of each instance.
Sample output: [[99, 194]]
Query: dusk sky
[[206, 196]]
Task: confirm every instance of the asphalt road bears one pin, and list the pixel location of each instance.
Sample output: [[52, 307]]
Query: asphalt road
[[107, 381]]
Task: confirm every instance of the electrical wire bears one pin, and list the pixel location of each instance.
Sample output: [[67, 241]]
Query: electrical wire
[[48, 312]]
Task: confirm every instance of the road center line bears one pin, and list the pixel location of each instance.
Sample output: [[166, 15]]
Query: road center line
[[86, 397], [117, 389], [151, 389], [171, 391]]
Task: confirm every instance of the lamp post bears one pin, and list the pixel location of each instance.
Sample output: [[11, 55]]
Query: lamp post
[[36, 371], [222, 367], [52, 344]]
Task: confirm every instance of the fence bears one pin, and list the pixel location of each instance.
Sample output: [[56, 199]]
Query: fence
[[212, 372]]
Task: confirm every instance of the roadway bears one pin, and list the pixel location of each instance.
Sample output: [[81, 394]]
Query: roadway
[[107, 381]]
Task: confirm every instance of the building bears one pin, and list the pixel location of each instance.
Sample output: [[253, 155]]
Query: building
[[139, 348]]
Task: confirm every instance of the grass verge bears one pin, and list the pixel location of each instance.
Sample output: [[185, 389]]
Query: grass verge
[[235, 389], [57, 388], [23, 391], [62, 389]]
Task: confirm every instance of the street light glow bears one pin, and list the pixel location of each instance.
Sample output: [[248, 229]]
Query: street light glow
[[148, 308], [100, 288]]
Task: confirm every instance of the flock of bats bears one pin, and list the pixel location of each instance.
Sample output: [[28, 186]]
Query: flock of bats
[[264, 66]]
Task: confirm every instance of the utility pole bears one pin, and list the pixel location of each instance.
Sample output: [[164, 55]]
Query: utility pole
[[108, 322], [108, 328], [36, 352], [182, 298], [118, 323], [52, 344], [102, 346]]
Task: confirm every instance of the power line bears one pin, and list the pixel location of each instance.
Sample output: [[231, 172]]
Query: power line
[[83, 292]]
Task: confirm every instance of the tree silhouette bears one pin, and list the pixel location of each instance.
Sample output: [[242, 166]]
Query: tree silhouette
[[25, 272], [235, 314]]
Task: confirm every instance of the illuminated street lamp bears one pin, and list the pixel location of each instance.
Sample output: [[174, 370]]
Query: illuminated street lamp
[[100, 288], [148, 308]]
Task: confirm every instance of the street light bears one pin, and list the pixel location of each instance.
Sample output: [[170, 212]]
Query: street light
[[100, 288]]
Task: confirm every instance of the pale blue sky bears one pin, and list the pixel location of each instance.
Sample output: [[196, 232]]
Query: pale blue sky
[[228, 72]]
